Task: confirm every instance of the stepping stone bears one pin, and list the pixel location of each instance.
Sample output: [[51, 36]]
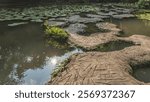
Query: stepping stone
[[76, 28], [57, 23], [123, 16], [97, 16]]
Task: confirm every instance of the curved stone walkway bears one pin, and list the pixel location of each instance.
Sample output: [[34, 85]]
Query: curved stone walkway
[[109, 68], [92, 41]]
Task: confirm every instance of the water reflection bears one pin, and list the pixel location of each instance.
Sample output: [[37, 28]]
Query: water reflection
[[134, 26], [24, 56]]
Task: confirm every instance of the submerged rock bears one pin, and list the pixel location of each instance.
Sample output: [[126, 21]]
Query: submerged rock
[[123, 10], [110, 27], [78, 19], [76, 28], [110, 13]]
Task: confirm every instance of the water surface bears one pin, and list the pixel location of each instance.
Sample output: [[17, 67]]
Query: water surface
[[133, 26], [25, 57]]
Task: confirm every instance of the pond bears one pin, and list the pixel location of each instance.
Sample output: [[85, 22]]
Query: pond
[[25, 57], [133, 26]]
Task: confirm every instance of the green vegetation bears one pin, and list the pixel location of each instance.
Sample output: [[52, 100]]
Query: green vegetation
[[56, 36], [57, 44], [145, 16], [55, 32], [144, 4]]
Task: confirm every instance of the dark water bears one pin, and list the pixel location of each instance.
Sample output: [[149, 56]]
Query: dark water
[[114, 46], [133, 26], [142, 72], [25, 57]]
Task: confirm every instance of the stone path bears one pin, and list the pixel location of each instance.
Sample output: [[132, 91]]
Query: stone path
[[109, 68], [94, 40]]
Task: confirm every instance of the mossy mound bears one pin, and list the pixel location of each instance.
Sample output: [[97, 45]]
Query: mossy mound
[[56, 33]]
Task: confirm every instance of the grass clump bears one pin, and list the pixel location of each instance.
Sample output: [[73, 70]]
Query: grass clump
[[54, 32]]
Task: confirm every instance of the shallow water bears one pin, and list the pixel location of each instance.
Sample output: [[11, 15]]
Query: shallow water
[[142, 73], [133, 26], [25, 57]]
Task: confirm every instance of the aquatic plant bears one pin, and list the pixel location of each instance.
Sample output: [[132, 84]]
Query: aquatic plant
[[40, 13], [57, 44], [145, 16], [56, 33]]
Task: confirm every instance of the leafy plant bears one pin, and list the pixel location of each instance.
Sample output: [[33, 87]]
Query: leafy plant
[[56, 33]]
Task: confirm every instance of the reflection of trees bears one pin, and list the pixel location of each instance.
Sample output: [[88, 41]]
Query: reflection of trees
[[12, 58], [146, 22], [22, 48]]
